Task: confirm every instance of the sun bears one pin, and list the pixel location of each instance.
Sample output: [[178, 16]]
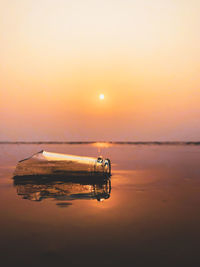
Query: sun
[[101, 96]]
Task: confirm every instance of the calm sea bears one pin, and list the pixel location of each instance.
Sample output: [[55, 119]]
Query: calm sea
[[147, 214]]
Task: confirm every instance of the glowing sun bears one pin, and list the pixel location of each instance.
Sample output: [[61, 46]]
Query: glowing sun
[[101, 96]]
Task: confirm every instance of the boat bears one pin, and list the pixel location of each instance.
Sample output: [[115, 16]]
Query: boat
[[48, 164]]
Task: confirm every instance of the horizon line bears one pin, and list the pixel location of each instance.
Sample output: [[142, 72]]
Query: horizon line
[[102, 142]]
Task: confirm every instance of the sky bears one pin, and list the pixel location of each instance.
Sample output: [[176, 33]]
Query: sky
[[58, 56]]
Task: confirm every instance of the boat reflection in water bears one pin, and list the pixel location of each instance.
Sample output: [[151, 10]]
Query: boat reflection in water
[[38, 188]]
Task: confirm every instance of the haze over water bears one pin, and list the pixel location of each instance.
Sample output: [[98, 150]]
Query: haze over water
[[149, 214]]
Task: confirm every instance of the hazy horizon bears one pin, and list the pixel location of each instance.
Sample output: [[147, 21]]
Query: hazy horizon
[[104, 143]]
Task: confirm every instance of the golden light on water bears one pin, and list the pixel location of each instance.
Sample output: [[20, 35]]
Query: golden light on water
[[102, 144], [101, 96]]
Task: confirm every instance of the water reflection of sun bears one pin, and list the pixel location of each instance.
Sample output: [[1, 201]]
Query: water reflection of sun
[[102, 144]]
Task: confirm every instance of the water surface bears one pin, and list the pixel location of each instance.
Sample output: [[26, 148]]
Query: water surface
[[148, 213]]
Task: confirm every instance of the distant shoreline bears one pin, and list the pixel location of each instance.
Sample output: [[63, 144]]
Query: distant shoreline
[[100, 142]]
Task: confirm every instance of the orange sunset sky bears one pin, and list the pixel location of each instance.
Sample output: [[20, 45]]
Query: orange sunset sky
[[58, 56]]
